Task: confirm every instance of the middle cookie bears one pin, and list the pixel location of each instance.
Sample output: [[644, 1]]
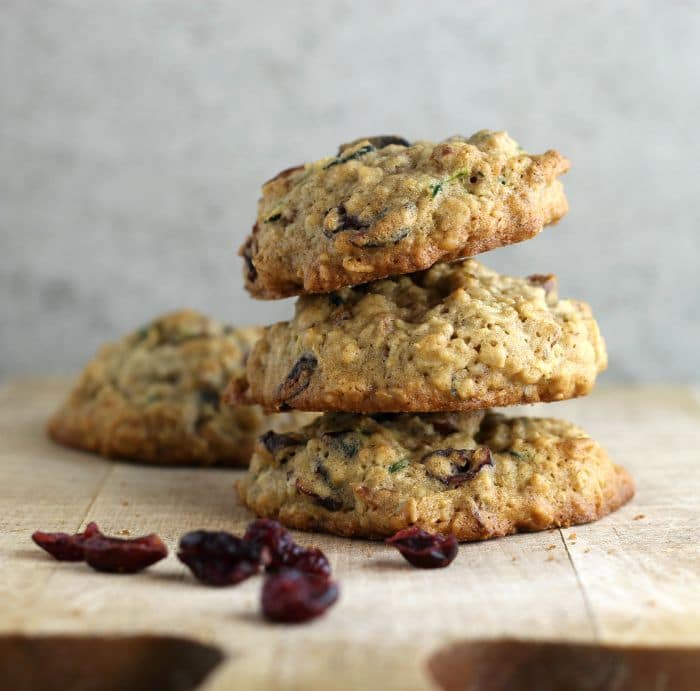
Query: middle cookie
[[455, 337]]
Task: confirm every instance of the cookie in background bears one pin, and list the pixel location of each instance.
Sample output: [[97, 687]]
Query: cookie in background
[[155, 396]]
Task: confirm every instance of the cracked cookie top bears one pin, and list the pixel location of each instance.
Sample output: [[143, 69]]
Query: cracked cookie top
[[384, 206], [458, 336], [475, 475]]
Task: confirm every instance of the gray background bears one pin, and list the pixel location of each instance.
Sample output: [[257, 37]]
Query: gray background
[[134, 138]]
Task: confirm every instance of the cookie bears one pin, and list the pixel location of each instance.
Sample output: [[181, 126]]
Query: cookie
[[474, 475], [155, 396], [455, 337], [383, 207]]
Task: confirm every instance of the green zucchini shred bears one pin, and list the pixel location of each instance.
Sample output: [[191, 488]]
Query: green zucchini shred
[[399, 465], [437, 187]]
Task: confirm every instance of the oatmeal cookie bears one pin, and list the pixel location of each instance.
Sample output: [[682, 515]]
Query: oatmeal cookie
[[383, 207], [155, 396], [474, 475], [455, 337]]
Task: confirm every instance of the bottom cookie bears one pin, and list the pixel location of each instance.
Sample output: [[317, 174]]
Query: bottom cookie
[[474, 475]]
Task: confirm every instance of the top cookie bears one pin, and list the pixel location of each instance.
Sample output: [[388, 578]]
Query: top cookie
[[383, 207], [154, 396]]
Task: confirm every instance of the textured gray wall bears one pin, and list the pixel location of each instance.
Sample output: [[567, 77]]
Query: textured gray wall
[[134, 137]]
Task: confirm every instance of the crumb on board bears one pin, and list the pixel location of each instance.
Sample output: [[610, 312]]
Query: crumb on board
[[639, 517], [124, 531], [125, 503], [550, 558], [611, 551], [573, 536], [587, 550], [551, 547], [514, 559]]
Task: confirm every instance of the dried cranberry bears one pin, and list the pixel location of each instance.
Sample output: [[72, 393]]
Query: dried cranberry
[[345, 441], [251, 273], [338, 220], [386, 140], [424, 550], [298, 378], [277, 549], [291, 596], [310, 560], [274, 443], [328, 503], [217, 557], [270, 540], [117, 555], [464, 464], [379, 142], [63, 546]]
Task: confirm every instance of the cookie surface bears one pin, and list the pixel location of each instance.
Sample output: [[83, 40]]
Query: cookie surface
[[475, 475], [455, 337], [384, 207], [154, 396]]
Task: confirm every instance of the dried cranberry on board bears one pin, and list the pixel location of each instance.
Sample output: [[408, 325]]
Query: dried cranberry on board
[[63, 546], [118, 555], [271, 540], [217, 557], [309, 560], [292, 596], [423, 549], [277, 549]]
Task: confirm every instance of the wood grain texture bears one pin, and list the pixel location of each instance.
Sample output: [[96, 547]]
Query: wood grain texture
[[632, 577]]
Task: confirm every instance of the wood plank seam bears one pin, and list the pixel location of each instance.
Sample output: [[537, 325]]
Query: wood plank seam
[[103, 482], [588, 605]]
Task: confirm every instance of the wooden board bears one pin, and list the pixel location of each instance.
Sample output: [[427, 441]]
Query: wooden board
[[632, 578]]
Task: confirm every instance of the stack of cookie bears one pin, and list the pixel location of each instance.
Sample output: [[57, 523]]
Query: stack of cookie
[[404, 345]]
